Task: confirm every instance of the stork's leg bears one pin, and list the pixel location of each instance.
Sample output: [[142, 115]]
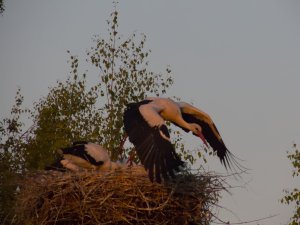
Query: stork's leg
[[130, 160], [121, 148]]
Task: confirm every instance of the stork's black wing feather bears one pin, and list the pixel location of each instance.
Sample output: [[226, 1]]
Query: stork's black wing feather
[[217, 144], [156, 153]]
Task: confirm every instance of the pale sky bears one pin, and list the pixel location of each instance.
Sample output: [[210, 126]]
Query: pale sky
[[237, 60]]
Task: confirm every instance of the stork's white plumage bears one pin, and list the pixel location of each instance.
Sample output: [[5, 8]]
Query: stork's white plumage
[[67, 164], [145, 125]]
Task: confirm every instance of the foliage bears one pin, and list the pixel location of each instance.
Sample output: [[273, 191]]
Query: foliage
[[2, 6], [11, 161], [67, 114], [294, 196], [124, 78]]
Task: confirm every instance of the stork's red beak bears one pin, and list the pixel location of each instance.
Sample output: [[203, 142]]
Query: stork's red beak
[[202, 138]]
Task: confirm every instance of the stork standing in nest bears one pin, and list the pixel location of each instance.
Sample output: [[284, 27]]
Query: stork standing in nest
[[144, 123]]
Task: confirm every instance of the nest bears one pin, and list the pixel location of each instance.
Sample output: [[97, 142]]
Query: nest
[[117, 197]]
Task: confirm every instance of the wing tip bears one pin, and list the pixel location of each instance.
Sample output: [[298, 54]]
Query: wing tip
[[232, 163]]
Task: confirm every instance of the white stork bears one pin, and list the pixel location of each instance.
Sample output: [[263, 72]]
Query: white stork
[[144, 123], [86, 155]]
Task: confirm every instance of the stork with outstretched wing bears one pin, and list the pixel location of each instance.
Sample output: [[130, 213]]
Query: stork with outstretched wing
[[144, 123]]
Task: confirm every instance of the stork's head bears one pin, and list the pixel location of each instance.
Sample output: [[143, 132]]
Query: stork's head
[[197, 130]]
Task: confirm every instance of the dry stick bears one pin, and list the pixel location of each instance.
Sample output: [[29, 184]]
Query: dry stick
[[244, 222], [107, 197]]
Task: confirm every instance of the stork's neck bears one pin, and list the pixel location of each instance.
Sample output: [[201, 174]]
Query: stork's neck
[[106, 165], [181, 122]]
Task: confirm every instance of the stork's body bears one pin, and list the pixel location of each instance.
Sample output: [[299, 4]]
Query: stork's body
[[144, 123], [85, 155]]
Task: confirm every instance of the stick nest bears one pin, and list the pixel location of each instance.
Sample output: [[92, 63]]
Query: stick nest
[[117, 197]]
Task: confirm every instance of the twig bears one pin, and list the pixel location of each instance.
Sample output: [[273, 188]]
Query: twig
[[244, 222]]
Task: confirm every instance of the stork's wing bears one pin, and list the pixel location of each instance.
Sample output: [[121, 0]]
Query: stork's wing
[[216, 143], [151, 142], [193, 115]]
